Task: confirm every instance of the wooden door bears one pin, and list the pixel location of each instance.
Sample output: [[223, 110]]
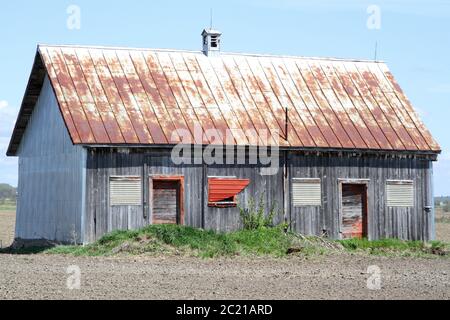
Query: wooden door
[[354, 211], [166, 204]]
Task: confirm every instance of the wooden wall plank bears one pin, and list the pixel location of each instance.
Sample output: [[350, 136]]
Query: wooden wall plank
[[384, 222], [410, 223]]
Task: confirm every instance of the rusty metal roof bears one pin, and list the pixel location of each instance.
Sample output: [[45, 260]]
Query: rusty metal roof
[[116, 96]]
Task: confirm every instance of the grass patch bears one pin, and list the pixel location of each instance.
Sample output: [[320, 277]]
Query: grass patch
[[179, 240], [7, 207], [172, 240], [396, 247]]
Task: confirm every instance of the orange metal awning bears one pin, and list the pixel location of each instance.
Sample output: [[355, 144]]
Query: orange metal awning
[[223, 189]]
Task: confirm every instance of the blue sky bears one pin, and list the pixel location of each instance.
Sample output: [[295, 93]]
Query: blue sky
[[414, 40]]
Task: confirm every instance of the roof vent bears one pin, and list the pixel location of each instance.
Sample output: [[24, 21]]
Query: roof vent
[[211, 42]]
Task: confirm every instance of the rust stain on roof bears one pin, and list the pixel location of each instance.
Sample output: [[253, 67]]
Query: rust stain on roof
[[154, 97]]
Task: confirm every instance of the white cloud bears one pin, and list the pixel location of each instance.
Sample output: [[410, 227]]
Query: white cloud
[[8, 116], [8, 166]]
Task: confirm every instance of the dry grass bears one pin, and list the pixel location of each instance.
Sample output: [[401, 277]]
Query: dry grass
[[443, 232], [7, 224], [442, 225]]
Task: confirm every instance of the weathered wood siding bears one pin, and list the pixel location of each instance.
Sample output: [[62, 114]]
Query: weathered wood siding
[[51, 177], [267, 187], [383, 222], [101, 218], [103, 164]]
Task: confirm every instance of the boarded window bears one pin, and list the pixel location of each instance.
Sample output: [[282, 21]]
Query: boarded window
[[306, 192], [223, 192], [125, 191], [400, 193], [354, 210]]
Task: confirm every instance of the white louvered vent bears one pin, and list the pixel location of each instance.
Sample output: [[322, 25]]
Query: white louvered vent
[[125, 191], [400, 193], [306, 192]]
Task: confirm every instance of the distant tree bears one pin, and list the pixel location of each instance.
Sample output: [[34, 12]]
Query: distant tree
[[443, 203], [446, 206], [7, 192]]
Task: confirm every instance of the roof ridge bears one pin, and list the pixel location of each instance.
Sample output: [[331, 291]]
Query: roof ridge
[[222, 53]]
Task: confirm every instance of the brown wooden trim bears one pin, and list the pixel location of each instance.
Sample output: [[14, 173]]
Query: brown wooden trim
[[168, 178], [354, 181]]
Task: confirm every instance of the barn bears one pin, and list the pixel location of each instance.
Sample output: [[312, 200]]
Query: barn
[[121, 138]]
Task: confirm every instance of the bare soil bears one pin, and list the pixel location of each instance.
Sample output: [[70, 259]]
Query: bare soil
[[338, 276], [327, 277]]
